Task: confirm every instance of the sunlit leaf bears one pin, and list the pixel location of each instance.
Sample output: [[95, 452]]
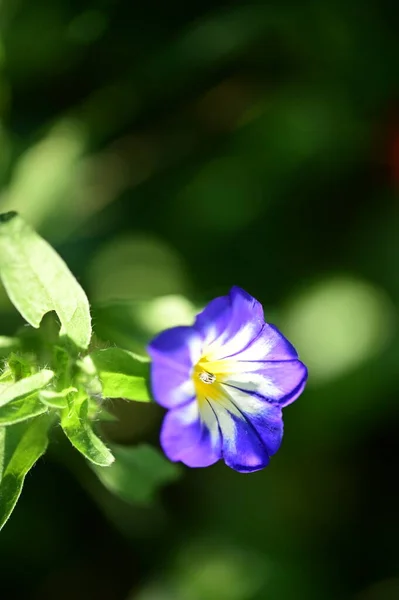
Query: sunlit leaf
[[6, 378], [77, 428], [138, 472], [56, 399], [30, 447], [38, 281], [21, 410], [2, 450], [122, 374], [26, 386]]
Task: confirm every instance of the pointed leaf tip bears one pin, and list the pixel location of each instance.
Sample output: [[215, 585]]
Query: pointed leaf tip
[[38, 281]]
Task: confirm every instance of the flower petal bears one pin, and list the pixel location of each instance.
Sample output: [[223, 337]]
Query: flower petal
[[276, 381], [190, 436], [229, 323], [269, 344], [243, 449], [174, 352], [265, 418], [180, 347]]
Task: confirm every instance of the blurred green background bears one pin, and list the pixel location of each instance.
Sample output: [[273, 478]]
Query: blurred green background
[[169, 150]]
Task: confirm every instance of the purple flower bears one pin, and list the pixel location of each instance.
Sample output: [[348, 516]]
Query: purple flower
[[224, 381]]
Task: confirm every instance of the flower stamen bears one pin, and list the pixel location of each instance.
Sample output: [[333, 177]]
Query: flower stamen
[[207, 377]]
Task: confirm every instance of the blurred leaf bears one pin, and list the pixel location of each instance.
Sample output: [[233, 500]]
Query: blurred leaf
[[77, 428], [46, 173], [122, 374], [137, 474], [56, 399], [26, 386], [116, 323], [131, 324], [38, 281], [21, 410], [31, 446]]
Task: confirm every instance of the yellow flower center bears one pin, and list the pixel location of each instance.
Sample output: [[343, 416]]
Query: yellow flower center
[[207, 376]]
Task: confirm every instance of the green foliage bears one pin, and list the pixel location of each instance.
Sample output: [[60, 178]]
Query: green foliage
[[97, 412], [2, 450], [21, 410], [38, 281], [57, 399], [77, 428], [19, 366], [29, 449], [122, 374], [26, 386], [46, 378], [257, 142], [137, 473]]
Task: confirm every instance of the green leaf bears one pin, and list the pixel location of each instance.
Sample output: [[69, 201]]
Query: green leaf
[[56, 399], [138, 472], [25, 387], [6, 378], [122, 374], [77, 428], [19, 366], [21, 410], [30, 447], [38, 281], [96, 412], [61, 362], [2, 450]]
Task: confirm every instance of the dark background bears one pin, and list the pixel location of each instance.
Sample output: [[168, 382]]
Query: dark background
[[169, 150]]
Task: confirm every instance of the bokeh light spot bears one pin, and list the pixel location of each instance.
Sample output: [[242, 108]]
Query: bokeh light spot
[[210, 571], [43, 176], [135, 268], [167, 311], [337, 324]]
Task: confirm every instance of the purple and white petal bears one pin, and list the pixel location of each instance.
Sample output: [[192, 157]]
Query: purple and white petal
[[190, 436], [174, 352], [269, 344], [225, 380], [264, 417], [229, 323], [275, 381], [242, 448]]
